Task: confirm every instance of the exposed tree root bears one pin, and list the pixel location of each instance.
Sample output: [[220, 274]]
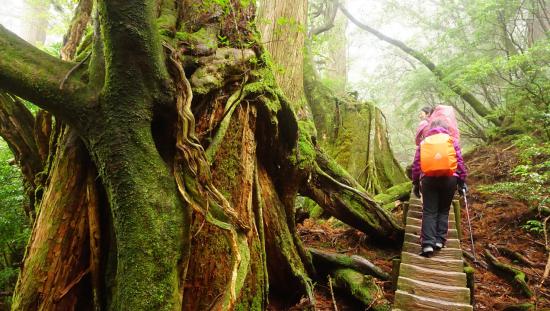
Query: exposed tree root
[[330, 261], [340, 195], [518, 277]]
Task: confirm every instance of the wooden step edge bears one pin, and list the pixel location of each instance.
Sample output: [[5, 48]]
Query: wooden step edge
[[449, 293], [446, 252], [415, 238], [434, 262], [451, 233], [407, 301], [432, 275]]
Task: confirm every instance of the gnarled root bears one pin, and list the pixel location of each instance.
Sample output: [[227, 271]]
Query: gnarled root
[[340, 195], [516, 276]]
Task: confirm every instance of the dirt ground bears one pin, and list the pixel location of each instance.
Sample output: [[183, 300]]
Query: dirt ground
[[496, 222]]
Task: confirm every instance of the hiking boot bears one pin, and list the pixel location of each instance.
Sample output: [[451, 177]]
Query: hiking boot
[[427, 251], [438, 246]]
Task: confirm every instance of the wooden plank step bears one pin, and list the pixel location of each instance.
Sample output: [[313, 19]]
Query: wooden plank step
[[431, 290], [447, 252], [418, 222], [414, 214], [451, 233], [415, 238], [432, 276], [451, 265], [406, 301]]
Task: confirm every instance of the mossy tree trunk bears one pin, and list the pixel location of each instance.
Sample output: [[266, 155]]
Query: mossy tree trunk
[[361, 145], [144, 208]]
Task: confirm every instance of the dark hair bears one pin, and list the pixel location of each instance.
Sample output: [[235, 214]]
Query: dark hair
[[427, 109], [439, 123]]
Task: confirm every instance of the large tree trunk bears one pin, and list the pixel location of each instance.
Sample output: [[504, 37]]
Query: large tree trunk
[[282, 25], [177, 215]]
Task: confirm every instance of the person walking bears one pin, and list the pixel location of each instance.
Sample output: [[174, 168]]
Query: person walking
[[437, 171]]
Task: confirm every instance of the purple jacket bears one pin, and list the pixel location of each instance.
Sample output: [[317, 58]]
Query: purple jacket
[[460, 169]]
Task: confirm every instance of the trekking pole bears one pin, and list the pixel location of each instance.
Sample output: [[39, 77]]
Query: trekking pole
[[469, 225]]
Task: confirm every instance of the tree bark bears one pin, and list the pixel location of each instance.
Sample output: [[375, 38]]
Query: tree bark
[[179, 214], [282, 25], [61, 260]]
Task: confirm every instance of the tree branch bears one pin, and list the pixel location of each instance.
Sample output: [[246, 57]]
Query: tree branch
[[34, 75], [133, 51], [330, 16], [464, 94]]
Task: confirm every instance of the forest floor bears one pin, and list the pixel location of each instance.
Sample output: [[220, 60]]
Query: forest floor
[[497, 221]]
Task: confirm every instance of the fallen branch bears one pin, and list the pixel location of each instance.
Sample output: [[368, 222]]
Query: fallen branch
[[517, 276], [329, 261]]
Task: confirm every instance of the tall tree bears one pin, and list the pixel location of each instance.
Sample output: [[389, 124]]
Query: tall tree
[[283, 27], [175, 161], [353, 131]]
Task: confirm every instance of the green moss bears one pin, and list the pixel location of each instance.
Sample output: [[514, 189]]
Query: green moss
[[303, 156], [469, 270], [362, 287], [201, 37], [394, 193]]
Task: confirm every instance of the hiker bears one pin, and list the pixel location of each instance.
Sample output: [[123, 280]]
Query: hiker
[[424, 115], [437, 171]]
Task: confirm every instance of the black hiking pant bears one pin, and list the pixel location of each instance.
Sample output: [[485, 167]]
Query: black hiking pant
[[437, 196]]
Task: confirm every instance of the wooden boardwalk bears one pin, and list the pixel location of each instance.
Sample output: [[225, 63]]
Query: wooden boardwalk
[[436, 283]]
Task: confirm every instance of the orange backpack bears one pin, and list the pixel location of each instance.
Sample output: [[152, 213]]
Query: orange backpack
[[438, 155]]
